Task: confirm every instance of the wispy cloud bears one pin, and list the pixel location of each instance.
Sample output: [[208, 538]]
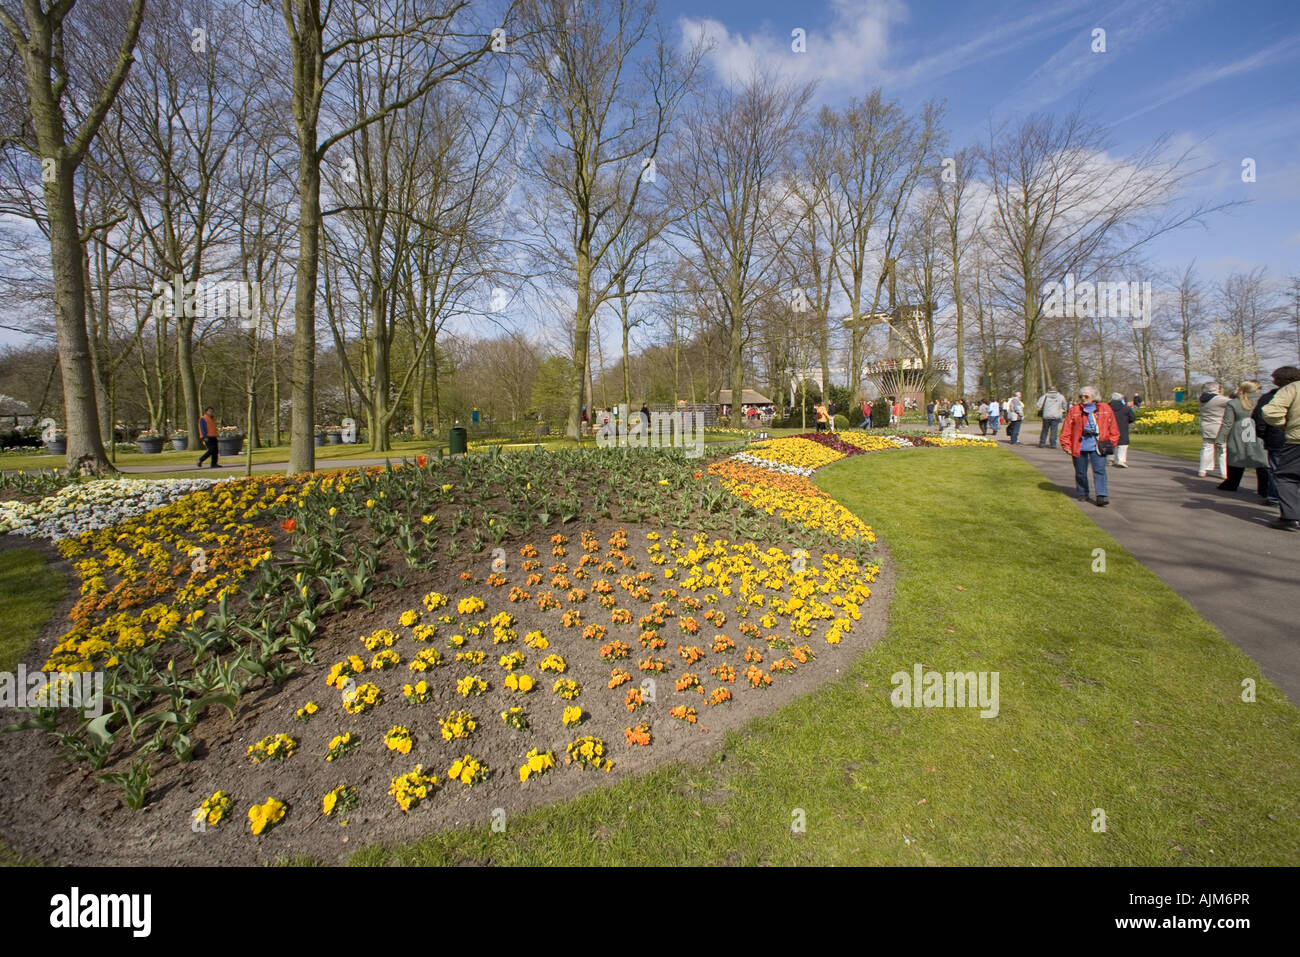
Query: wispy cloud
[[1280, 52], [1128, 27]]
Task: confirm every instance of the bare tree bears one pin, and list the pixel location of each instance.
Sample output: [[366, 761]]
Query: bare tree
[[321, 45], [54, 91], [731, 178], [952, 184], [879, 157], [614, 88], [1061, 207]]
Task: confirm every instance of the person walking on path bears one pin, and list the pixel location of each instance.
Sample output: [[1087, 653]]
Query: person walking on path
[[1089, 435], [866, 415], [820, 412], [1213, 455], [1051, 409], [1015, 417], [1273, 437], [983, 413], [1284, 410], [1124, 417], [208, 433], [1244, 444], [929, 413], [958, 413]]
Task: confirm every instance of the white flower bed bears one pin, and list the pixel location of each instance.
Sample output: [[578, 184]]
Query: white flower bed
[[772, 466], [92, 506]]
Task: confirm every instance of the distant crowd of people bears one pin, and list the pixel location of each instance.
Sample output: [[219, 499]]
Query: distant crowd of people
[[991, 415]]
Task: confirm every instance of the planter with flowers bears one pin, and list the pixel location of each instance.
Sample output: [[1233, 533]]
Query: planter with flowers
[[320, 435], [335, 435], [151, 442], [180, 440], [230, 440], [59, 444]]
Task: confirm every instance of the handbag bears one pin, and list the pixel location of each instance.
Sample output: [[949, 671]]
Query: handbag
[[1105, 447]]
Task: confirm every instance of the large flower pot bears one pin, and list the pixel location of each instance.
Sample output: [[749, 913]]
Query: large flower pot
[[230, 444], [181, 443], [320, 438], [57, 446], [336, 438], [151, 446]]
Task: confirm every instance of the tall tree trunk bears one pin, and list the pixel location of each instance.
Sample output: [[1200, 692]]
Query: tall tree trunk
[[185, 369], [302, 423], [79, 387], [582, 332]]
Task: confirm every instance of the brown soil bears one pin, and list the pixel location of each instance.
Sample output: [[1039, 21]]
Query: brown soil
[[57, 811]]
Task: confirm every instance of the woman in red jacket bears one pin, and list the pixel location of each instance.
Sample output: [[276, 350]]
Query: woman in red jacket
[[1089, 434]]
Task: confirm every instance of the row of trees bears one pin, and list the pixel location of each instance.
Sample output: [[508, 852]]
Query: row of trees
[[391, 176]]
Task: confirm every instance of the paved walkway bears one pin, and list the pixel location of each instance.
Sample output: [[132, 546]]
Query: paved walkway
[[1214, 548]]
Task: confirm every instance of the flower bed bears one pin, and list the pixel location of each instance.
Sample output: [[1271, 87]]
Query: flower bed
[[552, 642], [1166, 422], [87, 507]]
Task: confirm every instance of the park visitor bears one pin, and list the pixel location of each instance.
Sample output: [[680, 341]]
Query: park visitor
[[929, 413], [1015, 417], [1089, 435], [958, 412], [208, 433], [1272, 436], [819, 412], [1283, 410], [983, 413], [1213, 455], [1051, 409], [1124, 417], [1245, 447], [995, 416]]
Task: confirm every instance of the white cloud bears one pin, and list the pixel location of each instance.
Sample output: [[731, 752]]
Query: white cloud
[[851, 52]]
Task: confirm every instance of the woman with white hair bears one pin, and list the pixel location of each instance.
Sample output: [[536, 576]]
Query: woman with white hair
[[1089, 435]]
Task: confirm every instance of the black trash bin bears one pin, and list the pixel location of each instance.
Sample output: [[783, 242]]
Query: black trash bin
[[458, 441]]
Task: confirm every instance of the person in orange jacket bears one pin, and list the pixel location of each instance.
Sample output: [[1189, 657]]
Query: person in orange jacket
[[1089, 434], [208, 432]]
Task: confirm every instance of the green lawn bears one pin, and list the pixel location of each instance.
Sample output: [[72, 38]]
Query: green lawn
[[1115, 695], [1179, 446], [29, 592]]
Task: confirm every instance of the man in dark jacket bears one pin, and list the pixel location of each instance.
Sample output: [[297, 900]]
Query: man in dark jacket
[[1124, 417], [1273, 436]]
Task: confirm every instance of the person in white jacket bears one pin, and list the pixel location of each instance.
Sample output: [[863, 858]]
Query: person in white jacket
[[958, 413], [1214, 457]]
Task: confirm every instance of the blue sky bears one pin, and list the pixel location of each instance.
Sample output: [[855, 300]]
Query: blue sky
[[1221, 78]]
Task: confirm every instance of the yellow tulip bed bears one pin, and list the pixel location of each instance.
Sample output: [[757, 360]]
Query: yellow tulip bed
[[1166, 421], [797, 451]]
